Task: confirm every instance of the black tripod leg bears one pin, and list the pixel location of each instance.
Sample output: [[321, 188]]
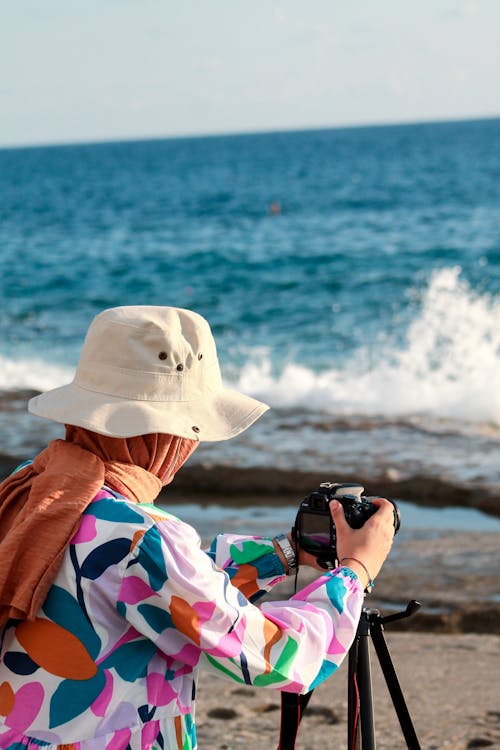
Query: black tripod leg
[[393, 685], [353, 697], [365, 696], [292, 709], [359, 692]]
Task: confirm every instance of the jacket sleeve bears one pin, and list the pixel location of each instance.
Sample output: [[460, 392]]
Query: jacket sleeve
[[174, 594], [251, 563]]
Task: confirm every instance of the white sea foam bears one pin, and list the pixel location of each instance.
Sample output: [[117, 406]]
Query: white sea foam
[[32, 374], [447, 368]]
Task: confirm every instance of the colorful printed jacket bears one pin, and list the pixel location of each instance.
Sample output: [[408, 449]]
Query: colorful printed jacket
[[136, 609]]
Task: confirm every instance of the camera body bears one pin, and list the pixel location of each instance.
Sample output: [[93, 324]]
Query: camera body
[[314, 530]]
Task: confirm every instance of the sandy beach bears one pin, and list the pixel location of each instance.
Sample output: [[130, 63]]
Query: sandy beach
[[450, 683]]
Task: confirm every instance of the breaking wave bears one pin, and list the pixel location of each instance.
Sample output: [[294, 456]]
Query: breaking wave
[[448, 365]]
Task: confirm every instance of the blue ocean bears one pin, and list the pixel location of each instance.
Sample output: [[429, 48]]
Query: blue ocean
[[351, 278]]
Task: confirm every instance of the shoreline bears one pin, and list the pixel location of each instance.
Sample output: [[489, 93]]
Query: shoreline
[[241, 486]]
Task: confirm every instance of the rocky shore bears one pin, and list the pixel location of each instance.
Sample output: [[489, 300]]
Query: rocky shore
[[284, 486], [245, 484]]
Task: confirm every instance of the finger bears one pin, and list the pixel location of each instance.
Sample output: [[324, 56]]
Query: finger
[[379, 501], [385, 507]]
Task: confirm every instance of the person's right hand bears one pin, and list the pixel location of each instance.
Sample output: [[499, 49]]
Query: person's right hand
[[370, 544]]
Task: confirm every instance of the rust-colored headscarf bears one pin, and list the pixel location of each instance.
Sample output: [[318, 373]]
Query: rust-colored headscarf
[[41, 505]]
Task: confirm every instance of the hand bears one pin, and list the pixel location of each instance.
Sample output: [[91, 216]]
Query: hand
[[371, 543]]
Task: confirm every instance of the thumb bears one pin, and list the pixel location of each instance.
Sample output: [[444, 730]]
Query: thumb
[[337, 511]]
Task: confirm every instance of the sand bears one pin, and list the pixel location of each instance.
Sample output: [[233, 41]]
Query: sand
[[451, 684]]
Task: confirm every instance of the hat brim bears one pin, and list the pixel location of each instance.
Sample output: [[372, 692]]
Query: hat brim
[[217, 416]]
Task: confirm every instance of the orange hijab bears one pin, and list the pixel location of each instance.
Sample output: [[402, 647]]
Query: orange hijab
[[41, 505]]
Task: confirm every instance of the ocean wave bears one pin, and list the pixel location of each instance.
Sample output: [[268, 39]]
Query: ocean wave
[[443, 373], [448, 365], [32, 374]]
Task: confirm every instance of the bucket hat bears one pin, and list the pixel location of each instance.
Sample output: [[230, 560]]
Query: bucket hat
[[146, 369]]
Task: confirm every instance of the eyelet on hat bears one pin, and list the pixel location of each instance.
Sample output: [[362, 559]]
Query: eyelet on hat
[[200, 356], [162, 355], [195, 428], [180, 367]]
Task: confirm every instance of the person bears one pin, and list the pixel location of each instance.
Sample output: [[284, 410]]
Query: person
[[108, 604]]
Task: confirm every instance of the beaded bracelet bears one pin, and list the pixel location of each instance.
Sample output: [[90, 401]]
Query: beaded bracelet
[[370, 584]]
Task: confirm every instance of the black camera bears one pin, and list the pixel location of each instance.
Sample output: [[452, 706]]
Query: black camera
[[314, 530]]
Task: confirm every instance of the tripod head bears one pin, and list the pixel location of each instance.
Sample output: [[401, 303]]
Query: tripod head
[[375, 616]]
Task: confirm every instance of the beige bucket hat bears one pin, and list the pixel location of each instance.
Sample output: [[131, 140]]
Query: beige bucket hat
[[146, 369]]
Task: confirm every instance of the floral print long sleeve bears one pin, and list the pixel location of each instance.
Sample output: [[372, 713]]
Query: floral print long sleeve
[[137, 607]]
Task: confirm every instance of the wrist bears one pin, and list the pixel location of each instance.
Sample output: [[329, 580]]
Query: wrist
[[285, 550], [358, 567]]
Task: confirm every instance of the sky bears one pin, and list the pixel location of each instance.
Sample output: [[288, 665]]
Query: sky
[[75, 71]]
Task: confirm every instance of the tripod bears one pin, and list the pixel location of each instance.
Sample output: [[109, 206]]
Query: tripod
[[360, 718]]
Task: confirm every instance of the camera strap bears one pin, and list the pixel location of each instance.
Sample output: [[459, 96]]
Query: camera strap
[[292, 710]]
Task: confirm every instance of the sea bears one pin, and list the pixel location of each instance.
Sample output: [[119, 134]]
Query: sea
[[351, 277]]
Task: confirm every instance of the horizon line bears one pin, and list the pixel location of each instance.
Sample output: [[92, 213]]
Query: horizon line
[[238, 133]]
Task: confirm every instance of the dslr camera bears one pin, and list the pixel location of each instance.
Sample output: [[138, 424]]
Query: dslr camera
[[314, 530]]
